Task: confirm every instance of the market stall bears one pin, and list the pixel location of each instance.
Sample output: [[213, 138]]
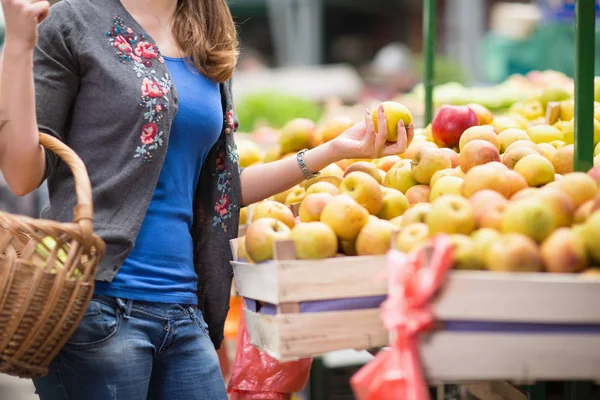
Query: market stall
[[523, 323]]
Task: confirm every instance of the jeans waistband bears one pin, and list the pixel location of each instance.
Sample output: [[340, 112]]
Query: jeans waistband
[[157, 310]]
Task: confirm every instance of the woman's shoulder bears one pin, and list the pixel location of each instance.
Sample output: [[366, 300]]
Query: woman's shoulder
[[84, 15]]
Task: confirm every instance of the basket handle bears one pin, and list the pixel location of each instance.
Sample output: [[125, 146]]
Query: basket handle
[[83, 213]]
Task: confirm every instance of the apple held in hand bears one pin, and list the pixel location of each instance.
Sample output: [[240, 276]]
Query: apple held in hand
[[394, 112], [450, 122]]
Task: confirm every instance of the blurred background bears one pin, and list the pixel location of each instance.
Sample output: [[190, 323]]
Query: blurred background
[[318, 58]]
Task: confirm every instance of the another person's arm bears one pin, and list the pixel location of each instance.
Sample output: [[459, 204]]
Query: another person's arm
[[361, 141], [22, 159]]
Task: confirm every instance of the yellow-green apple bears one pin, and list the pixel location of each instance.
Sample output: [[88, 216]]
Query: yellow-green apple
[[295, 196], [427, 162], [314, 241], [394, 204], [482, 239], [261, 236], [525, 193], [488, 207], [394, 113], [595, 173], [242, 251], [485, 177], [547, 150], [366, 167], [590, 234], [249, 153], [397, 221], [418, 194], [446, 172], [531, 109], [564, 252], [332, 170], [363, 188], [375, 238], [569, 132], [273, 209], [446, 185], [465, 256], [579, 186], [516, 182], [272, 154], [243, 216], [451, 214], [544, 133], [536, 169], [478, 152], [415, 147], [597, 147], [509, 136], [345, 216], [530, 217], [520, 121], [562, 207], [280, 197], [583, 212], [523, 143], [558, 144], [312, 206], [454, 158], [514, 252], [502, 123], [563, 160], [296, 135], [400, 178], [387, 162], [498, 166], [411, 236], [450, 122], [334, 127], [416, 214], [323, 187], [484, 116], [483, 132], [512, 157]]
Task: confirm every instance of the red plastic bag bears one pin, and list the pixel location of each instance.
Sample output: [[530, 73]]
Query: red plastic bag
[[395, 374], [257, 376]]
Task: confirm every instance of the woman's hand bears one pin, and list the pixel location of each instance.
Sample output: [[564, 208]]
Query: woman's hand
[[22, 18], [361, 141]]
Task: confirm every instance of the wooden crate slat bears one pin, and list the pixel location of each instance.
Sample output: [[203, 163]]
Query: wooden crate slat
[[524, 358], [291, 336], [257, 281], [516, 297]]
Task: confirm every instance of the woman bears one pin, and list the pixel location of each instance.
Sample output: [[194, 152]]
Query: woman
[[155, 129]]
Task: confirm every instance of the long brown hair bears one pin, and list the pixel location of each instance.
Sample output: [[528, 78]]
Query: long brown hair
[[205, 31]]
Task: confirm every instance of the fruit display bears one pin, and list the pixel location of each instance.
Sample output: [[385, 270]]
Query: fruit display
[[503, 188]]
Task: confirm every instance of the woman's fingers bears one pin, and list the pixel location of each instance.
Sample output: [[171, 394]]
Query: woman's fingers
[[410, 133], [40, 9], [381, 136], [405, 136]]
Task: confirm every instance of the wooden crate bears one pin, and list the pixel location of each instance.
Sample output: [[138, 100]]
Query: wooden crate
[[287, 282], [530, 307]]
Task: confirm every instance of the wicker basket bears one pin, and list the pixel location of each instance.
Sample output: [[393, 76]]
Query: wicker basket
[[47, 274]]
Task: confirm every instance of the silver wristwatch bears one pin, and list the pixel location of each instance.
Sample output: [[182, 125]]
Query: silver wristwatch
[[305, 171]]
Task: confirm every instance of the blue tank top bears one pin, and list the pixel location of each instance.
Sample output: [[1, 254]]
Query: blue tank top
[[160, 268]]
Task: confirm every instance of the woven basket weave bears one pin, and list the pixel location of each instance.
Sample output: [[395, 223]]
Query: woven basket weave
[[47, 271]]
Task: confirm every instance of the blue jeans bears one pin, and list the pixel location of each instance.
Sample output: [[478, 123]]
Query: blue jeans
[[130, 350]]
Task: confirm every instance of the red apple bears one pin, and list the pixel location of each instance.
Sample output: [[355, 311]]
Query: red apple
[[450, 122]]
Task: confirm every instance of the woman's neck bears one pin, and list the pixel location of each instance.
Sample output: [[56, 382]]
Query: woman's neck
[[159, 10]]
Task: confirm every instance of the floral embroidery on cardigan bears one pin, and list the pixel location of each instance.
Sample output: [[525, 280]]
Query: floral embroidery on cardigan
[[138, 50]]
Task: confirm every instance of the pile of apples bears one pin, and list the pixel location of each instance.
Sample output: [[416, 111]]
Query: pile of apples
[[502, 187]]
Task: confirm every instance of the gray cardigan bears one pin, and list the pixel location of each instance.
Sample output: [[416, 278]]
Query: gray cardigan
[[103, 88]]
